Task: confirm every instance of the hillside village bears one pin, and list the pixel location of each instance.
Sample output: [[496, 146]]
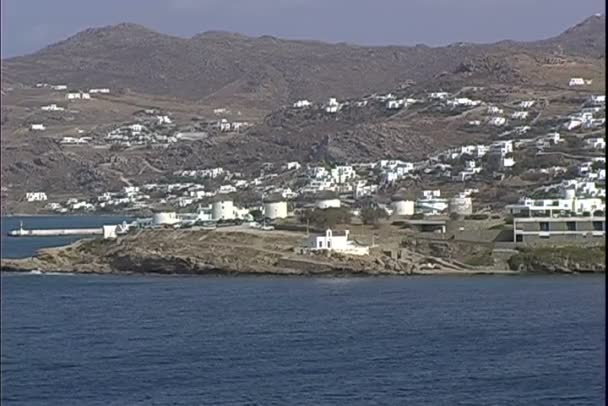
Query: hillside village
[[562, 162]]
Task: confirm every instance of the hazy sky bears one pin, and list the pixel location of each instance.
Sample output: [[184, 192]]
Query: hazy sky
[[28, 25]]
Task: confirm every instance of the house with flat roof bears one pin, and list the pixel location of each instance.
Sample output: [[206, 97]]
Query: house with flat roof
[[559, 230]]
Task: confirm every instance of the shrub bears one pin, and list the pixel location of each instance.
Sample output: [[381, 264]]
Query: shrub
[[477, 217], [371, 215]]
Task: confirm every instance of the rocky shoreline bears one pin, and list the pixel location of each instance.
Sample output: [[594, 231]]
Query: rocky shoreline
[[231, 253]]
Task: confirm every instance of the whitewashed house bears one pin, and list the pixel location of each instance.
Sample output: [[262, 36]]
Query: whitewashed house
[[503, 147], [519, 115], [595, 143], [102, 90], [163, 120], [332, 106], [463, 101], [295, 165], [301, 104], [52, 107], [35, 196], [59, 87], [438, 95], [597, 100], [395, 104], [37, 127], [342, 174], [494, 110], [576, 82], [526, 104], [497, 121]]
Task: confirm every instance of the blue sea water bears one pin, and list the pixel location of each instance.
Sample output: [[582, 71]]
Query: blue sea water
[[153, 340], [124, 340]]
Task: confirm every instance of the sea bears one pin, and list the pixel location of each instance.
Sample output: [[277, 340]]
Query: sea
[[185, 340]]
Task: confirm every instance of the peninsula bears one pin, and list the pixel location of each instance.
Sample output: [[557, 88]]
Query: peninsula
[[242, 250]]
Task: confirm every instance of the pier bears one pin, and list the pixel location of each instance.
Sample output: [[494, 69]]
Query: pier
[[55, 232]]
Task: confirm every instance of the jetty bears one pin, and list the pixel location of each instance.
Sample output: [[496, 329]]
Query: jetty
[[107, 231], [55, 232]]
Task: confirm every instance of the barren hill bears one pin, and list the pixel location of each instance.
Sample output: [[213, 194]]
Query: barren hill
[[221, 67]]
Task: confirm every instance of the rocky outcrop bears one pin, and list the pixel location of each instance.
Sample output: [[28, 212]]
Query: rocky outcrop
[[203, 252]]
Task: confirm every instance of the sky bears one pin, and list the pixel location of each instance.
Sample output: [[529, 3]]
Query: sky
[[29, 25]]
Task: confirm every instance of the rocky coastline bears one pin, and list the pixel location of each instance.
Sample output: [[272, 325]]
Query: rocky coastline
[[202, 252]]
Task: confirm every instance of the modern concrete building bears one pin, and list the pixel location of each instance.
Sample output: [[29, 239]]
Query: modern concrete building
[[559, 230]]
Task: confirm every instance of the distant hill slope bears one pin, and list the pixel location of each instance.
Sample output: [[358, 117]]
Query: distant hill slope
[[221, 67]]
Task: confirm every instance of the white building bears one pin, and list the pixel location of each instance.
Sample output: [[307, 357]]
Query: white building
[[38, 127], [438, 95], [597, 100], [301, 104], [595, 143], [361, 189], [342, 174], [576, 82], [77, 95], [432, 206], [494, 110], [336, 242], [109, 232], [52, 107], [519, 115], [502, 147], [295, 165], [164, 218], [35, 196], [275, 210], [332, 106], [75, 140], [395, 104], [460, 205], [554, 207], [497, 121], [163, 120], [59, 87], [463, 101], [403, 207], [328, 203], [102, 90], [223, 210], [526, 104]]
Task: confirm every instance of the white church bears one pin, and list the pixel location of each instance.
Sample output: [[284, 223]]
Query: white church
[[337, 242]]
